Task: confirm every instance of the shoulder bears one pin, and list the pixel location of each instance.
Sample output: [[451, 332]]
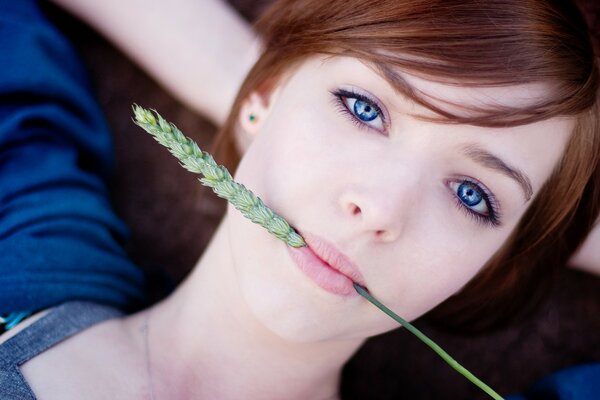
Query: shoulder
[[38, 338]]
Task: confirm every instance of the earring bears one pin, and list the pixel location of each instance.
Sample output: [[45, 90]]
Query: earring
[[252, 117]]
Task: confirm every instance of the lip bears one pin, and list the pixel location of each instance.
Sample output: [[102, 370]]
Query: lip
[[329, 268]]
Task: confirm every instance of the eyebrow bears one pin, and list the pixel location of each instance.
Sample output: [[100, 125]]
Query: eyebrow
[[476, 153], [398, 83], [408, 91], [489, 160]]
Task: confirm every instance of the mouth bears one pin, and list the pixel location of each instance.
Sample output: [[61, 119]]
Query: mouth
[[326, 266]]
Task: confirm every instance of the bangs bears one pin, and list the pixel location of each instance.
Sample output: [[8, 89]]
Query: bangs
[[466, 43]]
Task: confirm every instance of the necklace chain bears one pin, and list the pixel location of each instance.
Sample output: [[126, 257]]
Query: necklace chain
[[144, 329]]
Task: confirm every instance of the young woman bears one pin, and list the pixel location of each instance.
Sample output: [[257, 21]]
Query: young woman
[[185, 25], [402, 141]]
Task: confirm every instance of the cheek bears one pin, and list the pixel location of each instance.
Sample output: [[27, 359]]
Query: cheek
[[432, 269], [291, 157]]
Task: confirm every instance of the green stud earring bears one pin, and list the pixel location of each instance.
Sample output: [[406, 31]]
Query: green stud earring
[[252, 117]]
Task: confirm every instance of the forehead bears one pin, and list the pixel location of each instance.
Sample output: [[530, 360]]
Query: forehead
[[453, 98], [520, 144], [470, 101]]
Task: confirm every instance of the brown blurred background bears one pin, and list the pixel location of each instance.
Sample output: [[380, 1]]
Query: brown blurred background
[[171, 217]]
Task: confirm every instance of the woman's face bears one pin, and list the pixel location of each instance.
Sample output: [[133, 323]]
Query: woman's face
[[417, 207]]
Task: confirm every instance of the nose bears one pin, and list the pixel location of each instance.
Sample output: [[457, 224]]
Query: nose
[[381, 212]]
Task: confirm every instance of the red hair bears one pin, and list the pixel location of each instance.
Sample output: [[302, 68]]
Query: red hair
[[469, 43]]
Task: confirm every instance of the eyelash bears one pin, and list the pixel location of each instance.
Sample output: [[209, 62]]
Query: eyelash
[[494, 217], [341, 94]]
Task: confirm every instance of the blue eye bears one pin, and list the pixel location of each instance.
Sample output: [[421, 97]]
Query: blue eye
[[363, 111], [476, 200], [469, 194]]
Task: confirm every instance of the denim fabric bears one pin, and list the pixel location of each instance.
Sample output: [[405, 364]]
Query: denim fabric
[[59, 324]]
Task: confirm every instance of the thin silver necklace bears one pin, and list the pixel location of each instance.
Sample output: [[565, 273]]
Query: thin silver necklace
[[144, 329]]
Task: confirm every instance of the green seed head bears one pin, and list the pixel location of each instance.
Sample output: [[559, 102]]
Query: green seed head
[[215, 176]]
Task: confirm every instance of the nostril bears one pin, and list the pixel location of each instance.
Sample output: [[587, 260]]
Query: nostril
[[385, 235], [355, 209]]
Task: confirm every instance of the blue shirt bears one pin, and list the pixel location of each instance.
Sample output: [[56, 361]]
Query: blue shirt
[[576, 383], [59, 238]]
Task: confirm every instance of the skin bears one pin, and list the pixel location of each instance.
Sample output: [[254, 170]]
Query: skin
[[386, 198], [200, 51], [414, 251], [587, 258]]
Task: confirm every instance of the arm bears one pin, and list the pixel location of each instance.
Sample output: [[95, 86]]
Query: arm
[[59, 238], [587, 258], [199, 50]]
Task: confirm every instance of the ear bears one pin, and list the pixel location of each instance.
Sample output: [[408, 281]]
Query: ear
[[253, 113]]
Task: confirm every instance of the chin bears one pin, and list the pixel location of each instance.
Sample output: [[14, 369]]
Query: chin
[[280, 297], [289, 311]]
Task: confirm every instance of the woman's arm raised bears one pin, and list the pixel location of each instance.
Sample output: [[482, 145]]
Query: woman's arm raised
[[587, 258], [198, 50]]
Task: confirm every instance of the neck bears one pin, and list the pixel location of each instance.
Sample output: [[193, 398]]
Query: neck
[[204, 342]]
